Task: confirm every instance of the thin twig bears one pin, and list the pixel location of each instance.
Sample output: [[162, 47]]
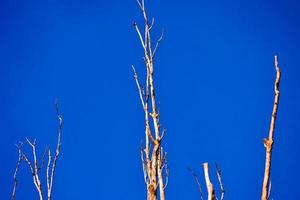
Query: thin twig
[[157, 43], [138, 86], [48, 171], [196, 177], [57, 152], [220, 181], [43, 159], [167, 172], [20, 159], [139, 34], [144, 164]]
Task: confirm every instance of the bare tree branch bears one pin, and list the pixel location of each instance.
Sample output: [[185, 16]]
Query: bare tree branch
[[57, 152], [48, 172], [35, 168], [138, 86], [157, 43], [268, 143], [209, 186]]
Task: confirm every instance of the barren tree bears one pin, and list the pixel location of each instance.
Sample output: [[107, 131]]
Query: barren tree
[[154, 159], [35, 167]]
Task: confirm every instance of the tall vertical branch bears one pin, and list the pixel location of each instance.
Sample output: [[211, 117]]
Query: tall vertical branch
[[268, 142], [57, 152], [153, 159]]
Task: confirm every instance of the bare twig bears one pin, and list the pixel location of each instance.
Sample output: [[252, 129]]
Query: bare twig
[[196, 177], [43, 159], [20, 159], [220, 181], [139, 34], [268, 142], [144, 164], [48, 171], [157, 43], [138, 86], [167, 172]]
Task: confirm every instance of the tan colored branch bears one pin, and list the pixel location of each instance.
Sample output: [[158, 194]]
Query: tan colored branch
[[209, 186], [151, 156], [268, 142]]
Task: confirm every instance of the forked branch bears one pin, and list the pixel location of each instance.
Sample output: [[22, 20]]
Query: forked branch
[[34, 166]]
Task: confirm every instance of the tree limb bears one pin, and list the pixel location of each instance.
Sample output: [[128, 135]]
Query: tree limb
[[209, 186], [268, 142]]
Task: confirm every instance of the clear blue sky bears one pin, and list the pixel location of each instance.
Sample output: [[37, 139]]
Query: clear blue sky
[[214, 79]]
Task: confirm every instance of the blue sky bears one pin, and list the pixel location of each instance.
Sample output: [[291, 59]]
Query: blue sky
[[214, 81]]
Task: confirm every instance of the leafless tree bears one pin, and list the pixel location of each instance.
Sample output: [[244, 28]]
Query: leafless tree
[[154, 159], [35, 167], [152, 155]]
